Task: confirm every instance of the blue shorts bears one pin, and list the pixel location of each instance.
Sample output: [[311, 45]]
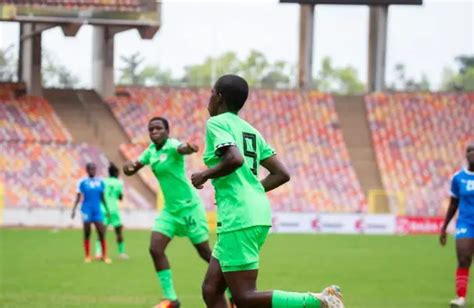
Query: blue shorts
[[464, 230], [92, 215]]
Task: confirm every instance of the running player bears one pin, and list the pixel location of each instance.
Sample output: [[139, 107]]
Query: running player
[[113, 194], [91, 190], [234, 151], [183, 213], [462, 198]]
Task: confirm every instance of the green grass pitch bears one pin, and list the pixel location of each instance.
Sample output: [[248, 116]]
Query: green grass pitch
[[41, 268]]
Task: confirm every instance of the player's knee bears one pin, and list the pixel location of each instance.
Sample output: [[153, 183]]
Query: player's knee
[[209, 292]]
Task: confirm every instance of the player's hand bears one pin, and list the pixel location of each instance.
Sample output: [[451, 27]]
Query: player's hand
[[443, 237], [193, 147], [198, 179], [73, 214], [129, 167]]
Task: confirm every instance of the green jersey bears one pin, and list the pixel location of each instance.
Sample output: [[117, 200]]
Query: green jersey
[[113, 191], [240, 197], [168, 166]]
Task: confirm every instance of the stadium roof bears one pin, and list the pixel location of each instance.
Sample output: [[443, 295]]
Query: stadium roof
[[95, 12]]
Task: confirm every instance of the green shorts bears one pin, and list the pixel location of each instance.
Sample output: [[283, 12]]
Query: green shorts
[[239, 250], [115, 220], [190, 222]]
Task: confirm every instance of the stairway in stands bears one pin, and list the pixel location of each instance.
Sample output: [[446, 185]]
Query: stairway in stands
[[355, 128]]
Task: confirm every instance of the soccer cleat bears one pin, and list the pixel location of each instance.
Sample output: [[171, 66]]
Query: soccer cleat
[[330, 297], [123, 256], [107, 260], [166, 303], [458, 302], [87, 260]]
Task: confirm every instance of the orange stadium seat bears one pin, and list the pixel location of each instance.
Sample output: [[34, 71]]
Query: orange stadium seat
[[303, 128], [419, 140]]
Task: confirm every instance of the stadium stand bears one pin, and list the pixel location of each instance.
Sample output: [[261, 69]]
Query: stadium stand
[[303, 127], [39, 164], [419, 141], [46, 175], [30, 119]]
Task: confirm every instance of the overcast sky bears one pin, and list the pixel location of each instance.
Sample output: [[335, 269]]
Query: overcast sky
[[426, 38]]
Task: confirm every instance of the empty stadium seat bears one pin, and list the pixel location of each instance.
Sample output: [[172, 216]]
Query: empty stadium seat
[[420, 140]]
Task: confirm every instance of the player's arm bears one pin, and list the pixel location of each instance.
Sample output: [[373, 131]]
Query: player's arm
[[187, 148], [278, 175], [102, 197], [132, 167], [231, 160], [78, 199], [452, 209], [120, 191]]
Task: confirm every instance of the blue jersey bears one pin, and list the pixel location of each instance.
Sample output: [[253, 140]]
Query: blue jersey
[[91, 190], [462, 188]]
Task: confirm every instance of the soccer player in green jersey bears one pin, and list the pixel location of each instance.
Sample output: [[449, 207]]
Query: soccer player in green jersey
[[183, 213], [113, 193], [234, 151]]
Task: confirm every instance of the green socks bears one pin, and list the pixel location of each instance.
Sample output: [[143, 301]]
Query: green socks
[[282, 299], [121, 247], [166, 281], [98, 248], [228, 294]]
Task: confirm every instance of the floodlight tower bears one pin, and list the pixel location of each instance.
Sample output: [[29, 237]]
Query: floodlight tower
[[378, 19]]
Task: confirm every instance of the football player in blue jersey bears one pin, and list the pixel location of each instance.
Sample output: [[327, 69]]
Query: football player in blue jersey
[[462, 199], [91, 190]]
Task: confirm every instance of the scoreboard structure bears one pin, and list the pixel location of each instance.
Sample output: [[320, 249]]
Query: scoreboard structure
[[378, 18], [108, 17]]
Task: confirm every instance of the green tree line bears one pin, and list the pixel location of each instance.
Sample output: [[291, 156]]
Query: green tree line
[[255, 67]]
